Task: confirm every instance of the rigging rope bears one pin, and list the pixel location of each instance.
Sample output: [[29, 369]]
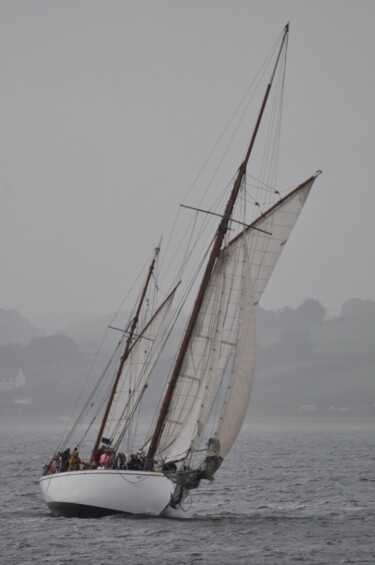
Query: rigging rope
[[197, 231]]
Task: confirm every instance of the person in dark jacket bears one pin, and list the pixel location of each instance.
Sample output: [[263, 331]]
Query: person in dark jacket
[[64, 464], [135, 463]]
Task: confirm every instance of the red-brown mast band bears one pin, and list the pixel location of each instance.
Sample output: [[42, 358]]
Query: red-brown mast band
[[219, 238]]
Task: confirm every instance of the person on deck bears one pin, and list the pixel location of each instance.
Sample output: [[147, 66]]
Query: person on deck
[[49, 469], [121, 461], [95, 459], [64, 464], [135, 463], [75, 461], [56, 461], [107, 460]]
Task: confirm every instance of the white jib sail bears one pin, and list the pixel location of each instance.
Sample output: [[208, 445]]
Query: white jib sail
[[136, 371]]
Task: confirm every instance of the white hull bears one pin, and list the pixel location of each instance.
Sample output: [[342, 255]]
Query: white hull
[[100, 492]]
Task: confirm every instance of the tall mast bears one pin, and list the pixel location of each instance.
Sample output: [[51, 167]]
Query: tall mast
[[128, 347], [216, 247]]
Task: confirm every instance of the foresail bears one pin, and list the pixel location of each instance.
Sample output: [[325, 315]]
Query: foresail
[[135, 374]]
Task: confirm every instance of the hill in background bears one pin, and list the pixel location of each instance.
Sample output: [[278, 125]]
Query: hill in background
[[308, 367], [311, 367]]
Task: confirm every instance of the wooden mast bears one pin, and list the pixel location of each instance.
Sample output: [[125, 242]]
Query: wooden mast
[[128, 347], [217, 244]]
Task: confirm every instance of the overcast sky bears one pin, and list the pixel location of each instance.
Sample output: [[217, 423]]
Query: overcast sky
[[108, 109]]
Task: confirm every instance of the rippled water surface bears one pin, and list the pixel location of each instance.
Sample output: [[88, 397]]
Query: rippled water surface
[[283, 496]]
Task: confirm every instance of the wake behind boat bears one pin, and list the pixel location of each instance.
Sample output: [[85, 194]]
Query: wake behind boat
[[205, 400]]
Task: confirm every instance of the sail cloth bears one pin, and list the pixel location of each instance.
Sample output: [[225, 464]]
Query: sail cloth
[[142, 358], [225, 332], [276, 224], [242, 374], [263, 248]]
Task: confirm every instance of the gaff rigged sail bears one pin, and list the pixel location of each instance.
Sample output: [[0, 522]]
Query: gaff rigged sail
[[225, 331], [268, 234]]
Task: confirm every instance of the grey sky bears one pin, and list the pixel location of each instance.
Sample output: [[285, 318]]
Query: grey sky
[[109, 108]]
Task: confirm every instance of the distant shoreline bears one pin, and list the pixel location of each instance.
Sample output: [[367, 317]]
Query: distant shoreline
[[62, 420]]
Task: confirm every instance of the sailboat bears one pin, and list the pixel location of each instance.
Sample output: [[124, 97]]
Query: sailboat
[[205, 400]]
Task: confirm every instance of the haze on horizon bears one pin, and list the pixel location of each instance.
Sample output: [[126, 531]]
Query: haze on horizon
[[109, 109]]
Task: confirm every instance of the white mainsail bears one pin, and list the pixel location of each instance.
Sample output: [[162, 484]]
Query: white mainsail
[[225, 329]]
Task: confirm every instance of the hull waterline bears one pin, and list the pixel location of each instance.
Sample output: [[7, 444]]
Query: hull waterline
[[95, 493]]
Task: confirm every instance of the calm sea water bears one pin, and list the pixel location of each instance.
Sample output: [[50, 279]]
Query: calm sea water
[[283, 496]]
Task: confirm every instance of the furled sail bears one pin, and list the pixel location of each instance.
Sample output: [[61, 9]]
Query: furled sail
[[142, 358]]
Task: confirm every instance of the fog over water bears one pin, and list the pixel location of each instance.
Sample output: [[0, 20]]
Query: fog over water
[[108, 111]]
